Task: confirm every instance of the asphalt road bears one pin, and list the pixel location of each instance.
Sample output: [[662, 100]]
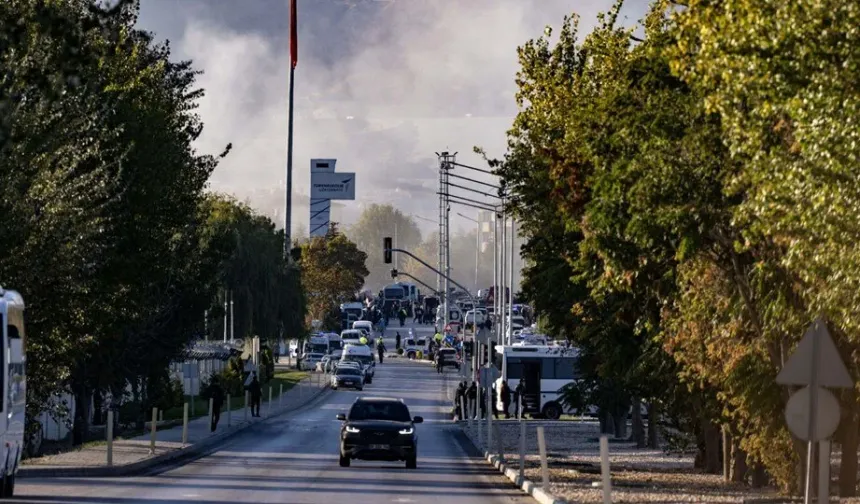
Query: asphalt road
[[293, 460]]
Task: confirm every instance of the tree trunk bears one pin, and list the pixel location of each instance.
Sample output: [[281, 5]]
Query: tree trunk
[[727, 453], [620, 421], [653, 419], [607, 426], [81, 424], [848, 440], [712, 448], [739, 462], [638, 434], [759, 475]]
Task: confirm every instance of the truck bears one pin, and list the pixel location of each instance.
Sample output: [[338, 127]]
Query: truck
[[13, 381]]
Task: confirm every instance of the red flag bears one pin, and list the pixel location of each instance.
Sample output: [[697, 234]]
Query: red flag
[[294, 35]]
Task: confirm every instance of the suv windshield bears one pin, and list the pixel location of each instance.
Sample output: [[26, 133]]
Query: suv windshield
[[361, 359], [388, 410]]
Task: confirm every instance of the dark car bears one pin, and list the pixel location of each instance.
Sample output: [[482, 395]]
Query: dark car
[[379, 428], [449, 357], [347, 376]]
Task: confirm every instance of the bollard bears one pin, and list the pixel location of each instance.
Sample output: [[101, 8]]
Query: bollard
[[520, 407], [109, 436], [489, 418], [499, 445], [544, 469], [269, 412], [480, 427], [281, 396], [152, 435], [824, 470], [522, 450], [211, 409], [604, 470], [185, 423], [229, 412]]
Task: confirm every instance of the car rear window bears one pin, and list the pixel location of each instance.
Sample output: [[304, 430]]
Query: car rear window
[[341, 371], [389, 410]]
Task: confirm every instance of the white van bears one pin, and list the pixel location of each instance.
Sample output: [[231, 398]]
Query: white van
[[351, 336], [363, 355], [13, 383], [364, 325]]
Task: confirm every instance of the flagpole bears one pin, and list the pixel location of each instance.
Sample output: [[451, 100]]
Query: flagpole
[[288, 214], [294, 51]]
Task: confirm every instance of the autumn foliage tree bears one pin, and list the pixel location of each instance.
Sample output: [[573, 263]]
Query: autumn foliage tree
[[689, 202], [333, 272]]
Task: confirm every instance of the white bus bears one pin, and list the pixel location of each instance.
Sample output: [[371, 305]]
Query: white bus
[[13, 381], [544, 370]]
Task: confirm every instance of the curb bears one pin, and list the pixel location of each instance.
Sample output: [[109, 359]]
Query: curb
[[527, 486], [134, 468]]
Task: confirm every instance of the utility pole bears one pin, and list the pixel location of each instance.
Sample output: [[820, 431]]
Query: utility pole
[[232, 320], [445, 165], [511, 284], [225, 316]]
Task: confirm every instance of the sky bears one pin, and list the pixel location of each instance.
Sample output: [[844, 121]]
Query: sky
[[381, 85]]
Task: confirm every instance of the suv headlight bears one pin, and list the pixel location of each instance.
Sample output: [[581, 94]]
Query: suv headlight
[[407, 431], [352, 429]]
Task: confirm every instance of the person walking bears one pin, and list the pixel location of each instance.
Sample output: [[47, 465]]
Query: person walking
[[459, 399], [217, 395], [402, 317], [397, 340], [256, 394], [380, 348], [439, 362]]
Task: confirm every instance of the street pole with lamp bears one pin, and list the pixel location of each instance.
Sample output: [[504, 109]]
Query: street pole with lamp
[[477, 246], [388, 249], [232, 320]]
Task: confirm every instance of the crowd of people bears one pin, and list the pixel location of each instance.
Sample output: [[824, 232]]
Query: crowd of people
[[470, 395]]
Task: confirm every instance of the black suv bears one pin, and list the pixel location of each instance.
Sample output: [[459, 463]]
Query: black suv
[[379, 428]]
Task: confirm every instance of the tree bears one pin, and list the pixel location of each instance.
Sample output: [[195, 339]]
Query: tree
[[333, 272], [375, 223]]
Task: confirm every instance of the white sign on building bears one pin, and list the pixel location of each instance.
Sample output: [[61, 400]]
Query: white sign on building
[[327, 185]]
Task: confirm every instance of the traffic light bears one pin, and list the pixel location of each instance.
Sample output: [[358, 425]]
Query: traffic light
[[393, 273], [386, 249]]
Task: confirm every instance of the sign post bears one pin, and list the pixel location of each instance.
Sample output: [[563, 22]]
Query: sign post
[[812, 413]]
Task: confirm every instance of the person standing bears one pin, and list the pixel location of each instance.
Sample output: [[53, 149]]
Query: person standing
[[256, 394], [518, 398], [459, 400], [506, 398], [472, 395], [217, 395], [380, 348], [397, 340]]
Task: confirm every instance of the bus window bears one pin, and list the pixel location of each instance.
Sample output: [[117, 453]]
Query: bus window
[[547, 369], [565, 369], [515, 368]]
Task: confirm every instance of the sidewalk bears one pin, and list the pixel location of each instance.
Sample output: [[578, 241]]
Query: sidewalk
[[134, 455]]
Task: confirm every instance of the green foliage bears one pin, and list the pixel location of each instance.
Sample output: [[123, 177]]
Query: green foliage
[[376, 222], [333, 271], [107, 232]]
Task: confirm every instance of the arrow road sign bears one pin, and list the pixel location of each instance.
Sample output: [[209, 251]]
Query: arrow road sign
[[830, 370]]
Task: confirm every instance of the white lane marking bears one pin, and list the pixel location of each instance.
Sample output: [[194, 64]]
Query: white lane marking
[[191, 496], [401, 499]]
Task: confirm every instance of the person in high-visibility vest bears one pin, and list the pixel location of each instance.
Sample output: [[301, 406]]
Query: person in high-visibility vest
[[362, 340], [380, 348]]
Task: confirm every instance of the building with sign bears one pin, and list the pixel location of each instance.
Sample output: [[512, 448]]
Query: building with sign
[[327, 185]]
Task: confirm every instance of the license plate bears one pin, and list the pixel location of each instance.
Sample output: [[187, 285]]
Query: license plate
[[379, 447]]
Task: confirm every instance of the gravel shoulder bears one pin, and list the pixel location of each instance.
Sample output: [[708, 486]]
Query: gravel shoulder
[[638, 475]]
